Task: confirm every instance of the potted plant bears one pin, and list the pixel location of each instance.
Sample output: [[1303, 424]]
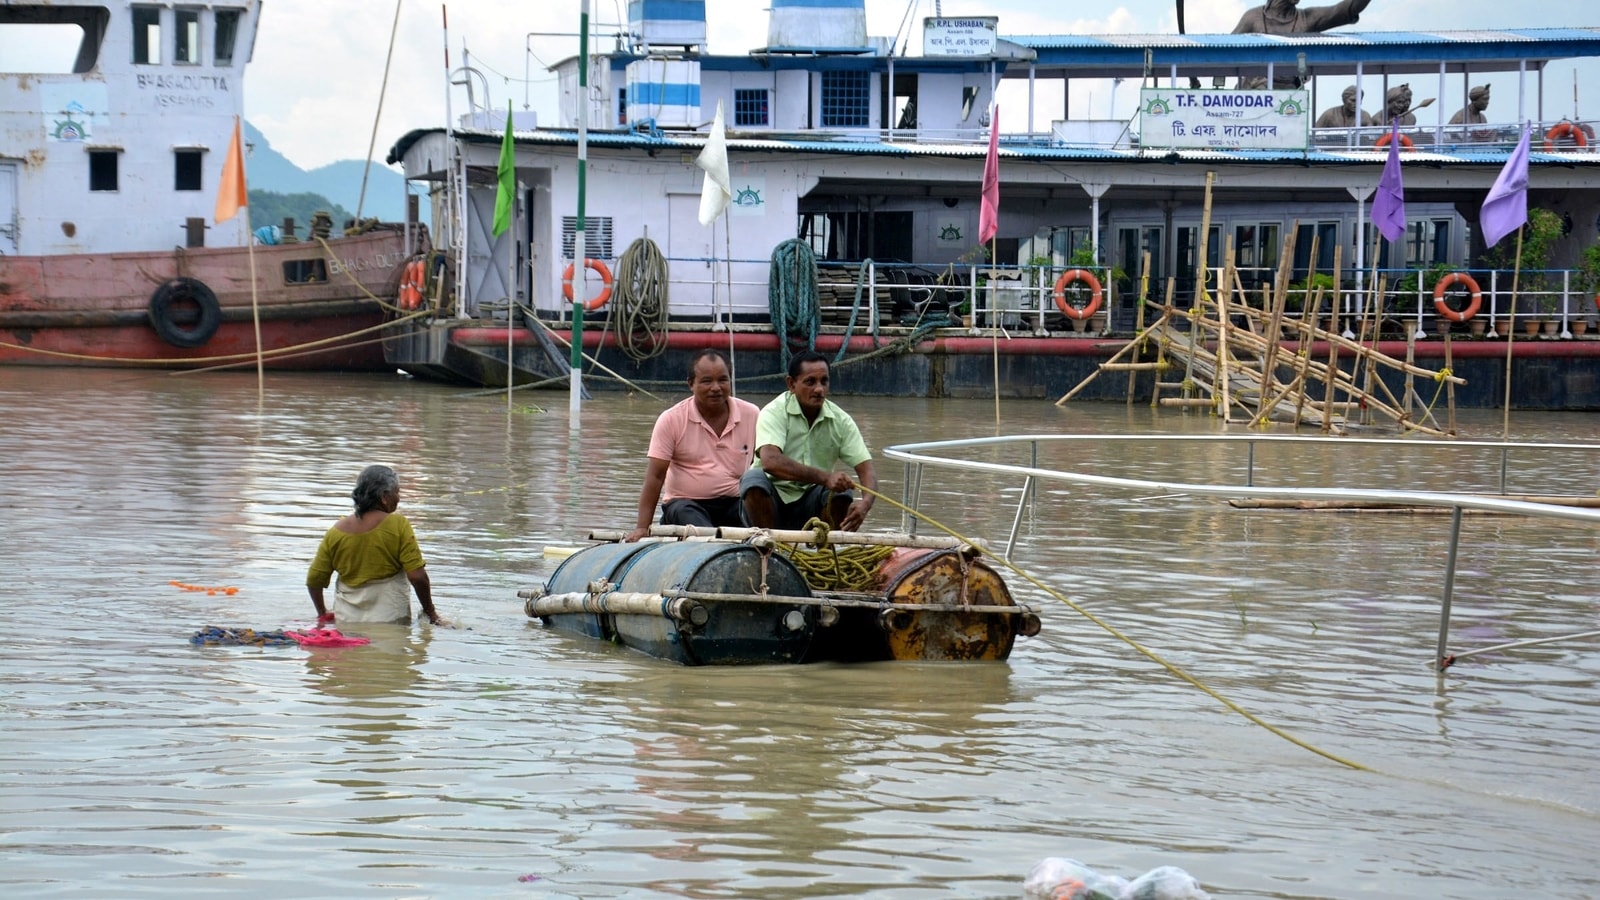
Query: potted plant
[[1538, 238], [1589, 283], [1307, 295]]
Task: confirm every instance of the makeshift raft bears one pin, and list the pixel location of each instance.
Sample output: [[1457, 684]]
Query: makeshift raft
[[735, 598]]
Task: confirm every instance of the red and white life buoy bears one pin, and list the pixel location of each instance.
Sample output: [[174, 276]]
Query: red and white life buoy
[[599, 268], [1449, 281], [1405, 142], [411, 285], [1074, 276], [1565, 130]]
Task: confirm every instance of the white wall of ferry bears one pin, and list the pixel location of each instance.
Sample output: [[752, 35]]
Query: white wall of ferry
[[143, 114]]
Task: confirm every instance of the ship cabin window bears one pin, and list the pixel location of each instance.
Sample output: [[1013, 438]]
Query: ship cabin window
[[103, 170], [1426, 243], [147, 35], [186, 37], [846, 99], [750, 108], [1256, 249], [186, 169], [227, 35], [622, 106], [1326, 235], [53, 42], [305, 271]]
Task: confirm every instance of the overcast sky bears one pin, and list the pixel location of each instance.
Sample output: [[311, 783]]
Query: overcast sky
[[313, 86]]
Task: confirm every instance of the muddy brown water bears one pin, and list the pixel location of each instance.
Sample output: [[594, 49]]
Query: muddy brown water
[[500, 759]]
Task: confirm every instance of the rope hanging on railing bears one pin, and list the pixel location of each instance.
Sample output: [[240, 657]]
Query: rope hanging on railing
[[792, 295], [639, 303]]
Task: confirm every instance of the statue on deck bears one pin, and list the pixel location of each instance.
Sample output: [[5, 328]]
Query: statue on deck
[[1285, 17], [1472, 113], [1346, 116], [1397, 106]]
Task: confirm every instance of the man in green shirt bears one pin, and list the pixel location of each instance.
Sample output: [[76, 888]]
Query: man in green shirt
[[800, 436]]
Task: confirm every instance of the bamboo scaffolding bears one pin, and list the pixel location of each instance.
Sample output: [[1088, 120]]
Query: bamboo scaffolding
[[1144, 295], [1227, 364]]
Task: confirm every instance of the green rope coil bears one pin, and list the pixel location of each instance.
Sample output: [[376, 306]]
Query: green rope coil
[[792, 296], [638, 308]]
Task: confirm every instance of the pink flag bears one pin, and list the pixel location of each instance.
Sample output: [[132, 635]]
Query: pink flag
[[989, 212]]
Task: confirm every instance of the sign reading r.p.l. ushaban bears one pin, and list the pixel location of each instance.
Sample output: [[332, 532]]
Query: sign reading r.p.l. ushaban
[[1180, 119]]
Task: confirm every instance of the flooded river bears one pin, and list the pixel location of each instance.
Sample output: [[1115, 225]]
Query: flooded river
[[500, 759]]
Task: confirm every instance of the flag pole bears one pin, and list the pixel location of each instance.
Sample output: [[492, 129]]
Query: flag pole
[[989, 231], [1511, 335], [580, 250], [255, 309]]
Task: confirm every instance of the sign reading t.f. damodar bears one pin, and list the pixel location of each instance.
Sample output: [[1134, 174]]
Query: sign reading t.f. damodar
[[1179, 119]]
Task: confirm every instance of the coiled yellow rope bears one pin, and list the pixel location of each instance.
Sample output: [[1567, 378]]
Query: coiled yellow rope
[[853, 567]]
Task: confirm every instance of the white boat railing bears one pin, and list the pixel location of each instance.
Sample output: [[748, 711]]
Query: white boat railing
[[923, 455]]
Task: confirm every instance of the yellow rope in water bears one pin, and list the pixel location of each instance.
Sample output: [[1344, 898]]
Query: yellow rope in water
[[1112, 630]]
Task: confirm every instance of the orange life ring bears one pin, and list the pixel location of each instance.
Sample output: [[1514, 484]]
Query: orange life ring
[[1565, 129], [1072, 276], [1405, 142], [1449, 281], [411, 281], [599, 268]]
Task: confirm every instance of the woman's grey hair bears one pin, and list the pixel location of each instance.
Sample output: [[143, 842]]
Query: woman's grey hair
[[374, 482]]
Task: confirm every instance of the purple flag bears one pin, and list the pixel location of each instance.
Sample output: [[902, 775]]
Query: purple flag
[[1389, 206], [1506, 208], [989, 208]]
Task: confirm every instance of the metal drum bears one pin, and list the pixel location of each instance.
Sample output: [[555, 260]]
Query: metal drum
[[946, 578], [736, 631], [733, 621], [602, 562]]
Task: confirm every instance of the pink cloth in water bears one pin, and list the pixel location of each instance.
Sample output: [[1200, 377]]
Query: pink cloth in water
[[325, 637]]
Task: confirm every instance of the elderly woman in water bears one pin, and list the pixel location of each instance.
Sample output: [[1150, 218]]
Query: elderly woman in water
[[376, 555]]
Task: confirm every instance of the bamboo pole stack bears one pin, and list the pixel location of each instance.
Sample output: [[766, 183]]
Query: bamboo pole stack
[[1235, 370]]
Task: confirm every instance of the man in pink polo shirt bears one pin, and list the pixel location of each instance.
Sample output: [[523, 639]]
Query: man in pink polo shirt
[[698, 450]]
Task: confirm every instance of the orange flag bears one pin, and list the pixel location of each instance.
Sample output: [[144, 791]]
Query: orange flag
[[231, 193]]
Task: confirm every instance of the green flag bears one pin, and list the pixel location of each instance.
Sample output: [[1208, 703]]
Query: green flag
[[505, 198]]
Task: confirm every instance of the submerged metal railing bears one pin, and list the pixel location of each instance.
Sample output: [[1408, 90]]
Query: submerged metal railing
[[920, 456]]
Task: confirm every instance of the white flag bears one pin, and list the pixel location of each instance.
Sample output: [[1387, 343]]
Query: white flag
[[716, 192]]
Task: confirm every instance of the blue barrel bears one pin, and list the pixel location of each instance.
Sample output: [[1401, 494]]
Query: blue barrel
[[736, 632], [575, 574]]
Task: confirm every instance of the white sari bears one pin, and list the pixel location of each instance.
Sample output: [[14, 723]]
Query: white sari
[[383, 600]]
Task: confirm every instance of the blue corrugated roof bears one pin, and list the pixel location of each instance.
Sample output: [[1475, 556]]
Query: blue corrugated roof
[[1466, 155], [1376, 50]]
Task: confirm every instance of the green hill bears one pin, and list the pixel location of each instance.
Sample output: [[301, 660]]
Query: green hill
[[338, 182]]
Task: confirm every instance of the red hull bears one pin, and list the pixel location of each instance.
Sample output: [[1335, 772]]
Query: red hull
[[317, 308]]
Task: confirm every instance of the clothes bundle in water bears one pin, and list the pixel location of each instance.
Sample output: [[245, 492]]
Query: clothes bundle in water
[[325, 637], [218, 636]]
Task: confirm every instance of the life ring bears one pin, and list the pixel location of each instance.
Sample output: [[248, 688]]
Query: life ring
[[184, 312], [1449, 281], [411, 285], [599, 268], [1072, 276], [1405, 142], [1565, 129]]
